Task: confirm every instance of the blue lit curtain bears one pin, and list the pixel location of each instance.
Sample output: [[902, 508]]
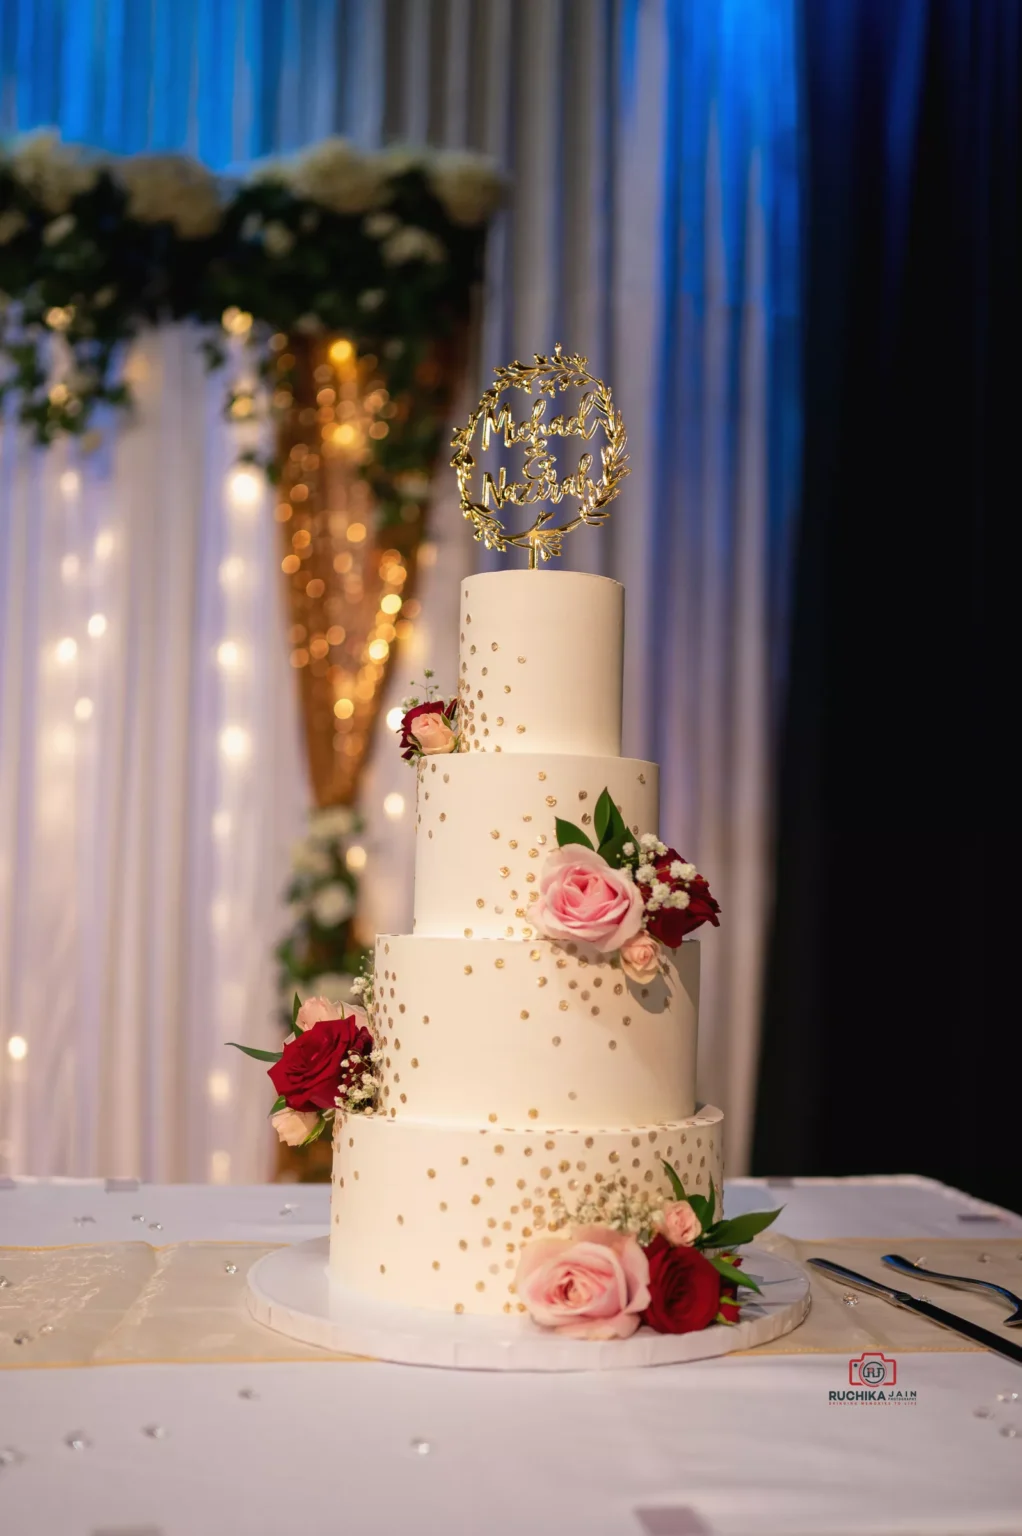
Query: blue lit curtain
[[653, 223]]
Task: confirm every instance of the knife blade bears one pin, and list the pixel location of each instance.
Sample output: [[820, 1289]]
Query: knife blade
[[938, 1315]]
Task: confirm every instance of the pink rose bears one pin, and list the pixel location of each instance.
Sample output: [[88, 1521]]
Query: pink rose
[[582, 897], [591, 1285], [315, 1009], [428, 729], [681, 1224], [293, 1125], [640, 958], [433, 734]]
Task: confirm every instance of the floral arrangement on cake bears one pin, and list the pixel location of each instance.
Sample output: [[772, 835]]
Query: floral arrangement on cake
[[429, 726], [320, 953], [330, 1062], [630, 1259], [626, 896], [381, 247]]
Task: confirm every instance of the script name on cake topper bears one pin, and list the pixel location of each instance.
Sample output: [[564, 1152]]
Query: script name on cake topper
[[540, 486]]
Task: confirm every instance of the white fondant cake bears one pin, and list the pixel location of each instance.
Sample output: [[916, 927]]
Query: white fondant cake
[[518, 1073]]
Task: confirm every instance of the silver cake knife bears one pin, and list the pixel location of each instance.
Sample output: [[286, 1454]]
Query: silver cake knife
[[951, 1320]]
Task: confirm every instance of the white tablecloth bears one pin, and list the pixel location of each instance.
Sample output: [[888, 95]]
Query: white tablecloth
[[745, 1446]]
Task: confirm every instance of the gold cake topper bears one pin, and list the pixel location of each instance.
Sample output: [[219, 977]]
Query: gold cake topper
[[595, 409]]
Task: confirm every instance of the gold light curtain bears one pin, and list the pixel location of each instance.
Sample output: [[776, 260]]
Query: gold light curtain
[[350, 576]]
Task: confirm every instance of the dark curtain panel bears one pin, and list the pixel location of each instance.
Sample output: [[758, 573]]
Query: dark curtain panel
[[887, 1044]]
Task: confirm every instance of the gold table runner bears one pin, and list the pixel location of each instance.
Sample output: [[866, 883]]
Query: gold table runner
[[130, 1303]]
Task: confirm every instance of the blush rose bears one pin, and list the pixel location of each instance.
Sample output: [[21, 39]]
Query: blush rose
[[640, 958], [591, 1285], [681, 1225], [293, 1126], [582, 897], [427, 729]]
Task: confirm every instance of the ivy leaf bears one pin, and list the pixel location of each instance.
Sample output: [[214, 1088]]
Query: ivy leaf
[[740, 1229], [295, 1006], [567, 833], [676, 1184], [250, 1050], [733, 1276]]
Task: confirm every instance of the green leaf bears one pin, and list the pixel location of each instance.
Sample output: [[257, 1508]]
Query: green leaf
[[701, 1206], [613, 850], [676, 1184], [740, 1229], [250, 1050], [294, 1012], [731, 1274], [567, 833], [278, 1104], [608, 821], [711, 1202], [315, 1133]]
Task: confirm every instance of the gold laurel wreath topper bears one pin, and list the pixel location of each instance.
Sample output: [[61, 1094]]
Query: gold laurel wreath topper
[[540, 484]]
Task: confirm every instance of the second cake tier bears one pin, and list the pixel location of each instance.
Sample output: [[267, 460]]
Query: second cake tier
[[484, 826], [488, 1031]]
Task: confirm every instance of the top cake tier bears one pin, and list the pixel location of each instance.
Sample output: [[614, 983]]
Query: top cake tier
[[540, 663]]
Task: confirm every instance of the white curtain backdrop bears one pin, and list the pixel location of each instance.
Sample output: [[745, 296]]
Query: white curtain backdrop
[[650, 146], [150, 783]]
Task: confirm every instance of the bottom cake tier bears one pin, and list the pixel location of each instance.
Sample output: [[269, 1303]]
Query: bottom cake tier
[[434, 1215]]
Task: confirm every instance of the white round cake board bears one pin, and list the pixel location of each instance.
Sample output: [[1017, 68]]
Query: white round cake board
[[290, 1292]]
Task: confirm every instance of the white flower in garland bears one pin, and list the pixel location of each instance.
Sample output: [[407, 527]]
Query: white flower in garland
[[335, 175], [12, 222], [277, 239], [53, 172], [379, 225], [171, 189], [336, 821], [332, 904], [469, 186], [308, 859], [410, 243], [58, 229], [330, 984]]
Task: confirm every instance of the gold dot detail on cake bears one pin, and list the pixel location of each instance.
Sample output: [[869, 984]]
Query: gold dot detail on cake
[[494, 834], [524, 1013], [431, 1173], [533, 1114], [468, 970]]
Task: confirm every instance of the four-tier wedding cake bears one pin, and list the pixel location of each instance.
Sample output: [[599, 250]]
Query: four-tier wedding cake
[[523, 1073]]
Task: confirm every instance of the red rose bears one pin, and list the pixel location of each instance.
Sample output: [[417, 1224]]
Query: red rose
[[684, 1289], [315, 1064], [672, 924], [410, 743]]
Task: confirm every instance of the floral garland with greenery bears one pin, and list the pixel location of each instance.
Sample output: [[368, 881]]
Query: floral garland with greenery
[[383, 248]]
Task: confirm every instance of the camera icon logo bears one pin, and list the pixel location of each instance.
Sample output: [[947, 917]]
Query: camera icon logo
[[871, 1369]]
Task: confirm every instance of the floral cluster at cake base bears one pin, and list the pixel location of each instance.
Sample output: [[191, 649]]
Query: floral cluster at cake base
[[626, 1260]]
